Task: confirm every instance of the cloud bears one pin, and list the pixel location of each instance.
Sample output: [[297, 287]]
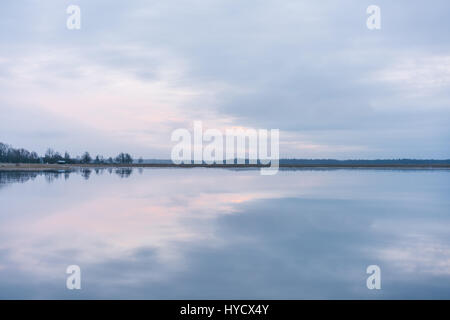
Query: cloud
[[138, 70]]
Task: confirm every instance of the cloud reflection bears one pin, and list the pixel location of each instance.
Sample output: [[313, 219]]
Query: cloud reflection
[[200, 233]]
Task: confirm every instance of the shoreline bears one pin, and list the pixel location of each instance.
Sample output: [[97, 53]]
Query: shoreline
[[71, 167]]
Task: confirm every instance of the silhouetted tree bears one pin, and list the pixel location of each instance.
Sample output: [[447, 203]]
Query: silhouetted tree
[[99, 159], [124, 158], [11, 155], [86, 158], [49, 154], [67, 157]]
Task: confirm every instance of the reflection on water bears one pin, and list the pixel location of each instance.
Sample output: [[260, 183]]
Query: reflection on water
[[7, 177], [124, 172], [215, 233]]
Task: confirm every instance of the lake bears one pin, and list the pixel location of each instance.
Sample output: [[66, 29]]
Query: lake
[[205, 233]]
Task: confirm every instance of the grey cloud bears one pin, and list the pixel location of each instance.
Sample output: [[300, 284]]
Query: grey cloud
[[294, 65]]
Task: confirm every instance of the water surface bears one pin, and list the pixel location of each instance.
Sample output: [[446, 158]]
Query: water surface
[[225, 234]]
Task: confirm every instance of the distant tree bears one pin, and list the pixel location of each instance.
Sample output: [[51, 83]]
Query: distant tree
[[52, 157], [49, 154], [3, 152], [128, 158], [86, 158], [119, 158], [123, 158], [11, 155], [67, 158], [57, 156], [141, 160], [99, 159], [34, 157]]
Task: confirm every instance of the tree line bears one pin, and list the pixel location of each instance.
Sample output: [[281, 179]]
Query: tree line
[[8, 154]]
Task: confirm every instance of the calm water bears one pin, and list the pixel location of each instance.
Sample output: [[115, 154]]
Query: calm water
[[216, 233]]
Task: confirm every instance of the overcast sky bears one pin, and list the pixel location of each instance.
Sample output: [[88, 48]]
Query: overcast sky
[[138, 69]]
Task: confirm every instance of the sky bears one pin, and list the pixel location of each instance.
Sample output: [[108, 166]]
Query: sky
[[138, 69]]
